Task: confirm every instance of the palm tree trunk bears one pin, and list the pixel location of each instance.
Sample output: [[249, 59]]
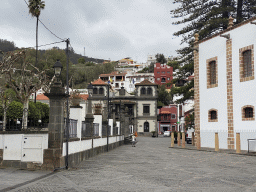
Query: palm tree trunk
[[37, 18]]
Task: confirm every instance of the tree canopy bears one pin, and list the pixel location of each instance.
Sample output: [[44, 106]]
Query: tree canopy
[[160, 58], [205, 17]]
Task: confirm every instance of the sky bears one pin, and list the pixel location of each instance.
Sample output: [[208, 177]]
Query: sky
[[103, 29]]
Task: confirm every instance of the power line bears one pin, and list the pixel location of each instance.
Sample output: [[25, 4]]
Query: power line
[[45, 26], [46, 44]]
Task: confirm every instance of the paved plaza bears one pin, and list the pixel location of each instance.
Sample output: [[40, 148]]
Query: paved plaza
[[150, 166]]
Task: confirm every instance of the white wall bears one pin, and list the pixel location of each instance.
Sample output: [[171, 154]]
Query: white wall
[[213, 97], [16, 145], [243, 92]]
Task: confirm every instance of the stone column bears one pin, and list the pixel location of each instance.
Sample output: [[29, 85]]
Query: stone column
[[53, 155], [197, 92], [216, 142], [238, 144], [172, 139]]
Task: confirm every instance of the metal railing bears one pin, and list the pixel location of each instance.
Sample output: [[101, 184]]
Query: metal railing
[[85, 131], [96, 129], [72, 127], [248, 140]]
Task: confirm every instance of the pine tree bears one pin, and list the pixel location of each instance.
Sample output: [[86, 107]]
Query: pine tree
[[205, 17]]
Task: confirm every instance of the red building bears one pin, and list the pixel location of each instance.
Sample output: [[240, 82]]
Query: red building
[[163, 74], [168, 118]]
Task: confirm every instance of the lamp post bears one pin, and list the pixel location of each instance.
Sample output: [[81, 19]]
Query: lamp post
[[57, 69], [108, 118]]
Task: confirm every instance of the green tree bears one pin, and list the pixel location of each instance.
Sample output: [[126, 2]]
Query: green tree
[[190, 121], [160, 58], [164, 97], [81, 60], [206, 18], [35, 7]]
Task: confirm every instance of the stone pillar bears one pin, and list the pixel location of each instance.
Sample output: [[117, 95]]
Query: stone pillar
[[183, 139], [197, 92], [172, 139], [230, 139], [216, 142], [193, 138], [238, 143], [53, 155], [178, 138]]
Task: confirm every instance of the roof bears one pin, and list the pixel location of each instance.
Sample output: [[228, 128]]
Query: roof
[[98, 82], [114, 73], [145, 82], [226, 30], [41, 97], [84, 96]]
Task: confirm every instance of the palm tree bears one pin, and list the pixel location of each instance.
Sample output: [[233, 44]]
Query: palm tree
[[35, 7]]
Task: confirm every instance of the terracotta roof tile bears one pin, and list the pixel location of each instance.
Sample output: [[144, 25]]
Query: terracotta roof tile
[[98, 82], [84, 97], [41, 97], [145, 82]]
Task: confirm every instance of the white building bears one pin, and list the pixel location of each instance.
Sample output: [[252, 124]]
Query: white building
[[225, 87]]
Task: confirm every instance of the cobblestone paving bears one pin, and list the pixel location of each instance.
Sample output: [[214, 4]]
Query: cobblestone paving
[[153, 166]]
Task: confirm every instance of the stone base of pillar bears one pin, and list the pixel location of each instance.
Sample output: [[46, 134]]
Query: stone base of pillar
[[53, 159]]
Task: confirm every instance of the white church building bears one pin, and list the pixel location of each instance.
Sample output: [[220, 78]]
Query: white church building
[[225, 87]]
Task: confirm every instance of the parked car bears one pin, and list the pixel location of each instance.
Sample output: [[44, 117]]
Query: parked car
[[167, 133], [189, 135]]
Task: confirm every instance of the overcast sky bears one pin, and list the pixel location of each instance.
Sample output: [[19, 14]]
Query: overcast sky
[[112, 29]]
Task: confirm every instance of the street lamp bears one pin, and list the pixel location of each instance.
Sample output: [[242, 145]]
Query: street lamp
[[57, 68]]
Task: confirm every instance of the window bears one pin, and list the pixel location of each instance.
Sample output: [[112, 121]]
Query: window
[[163, 80], [158, 72], [137, 78], [158, 79], [248, 113], [168, 71], [95, 91], [163, 72], [101, 91], [146, 109], [212, 72], [143, 91], [246, 63], [146, 126], [213, 115], [149, 91], [168, 78], [173, 116]]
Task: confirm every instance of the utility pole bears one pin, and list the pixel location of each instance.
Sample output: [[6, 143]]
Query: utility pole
[[67, 121]]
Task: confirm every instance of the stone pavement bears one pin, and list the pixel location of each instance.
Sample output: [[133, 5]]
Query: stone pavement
[[150, 166]]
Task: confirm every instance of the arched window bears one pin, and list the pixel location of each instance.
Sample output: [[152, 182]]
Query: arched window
[[163, 80], [143, 91], [149, 91], [213, 115], [95, 91], [146, 127], [247, 63], [101, 91], [248, 113], [212, 72]]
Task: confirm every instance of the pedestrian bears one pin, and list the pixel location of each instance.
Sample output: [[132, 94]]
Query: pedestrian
[[133, 140]]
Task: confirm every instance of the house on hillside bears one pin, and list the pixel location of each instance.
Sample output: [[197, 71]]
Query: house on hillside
[[163, 74], [225, 87]]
